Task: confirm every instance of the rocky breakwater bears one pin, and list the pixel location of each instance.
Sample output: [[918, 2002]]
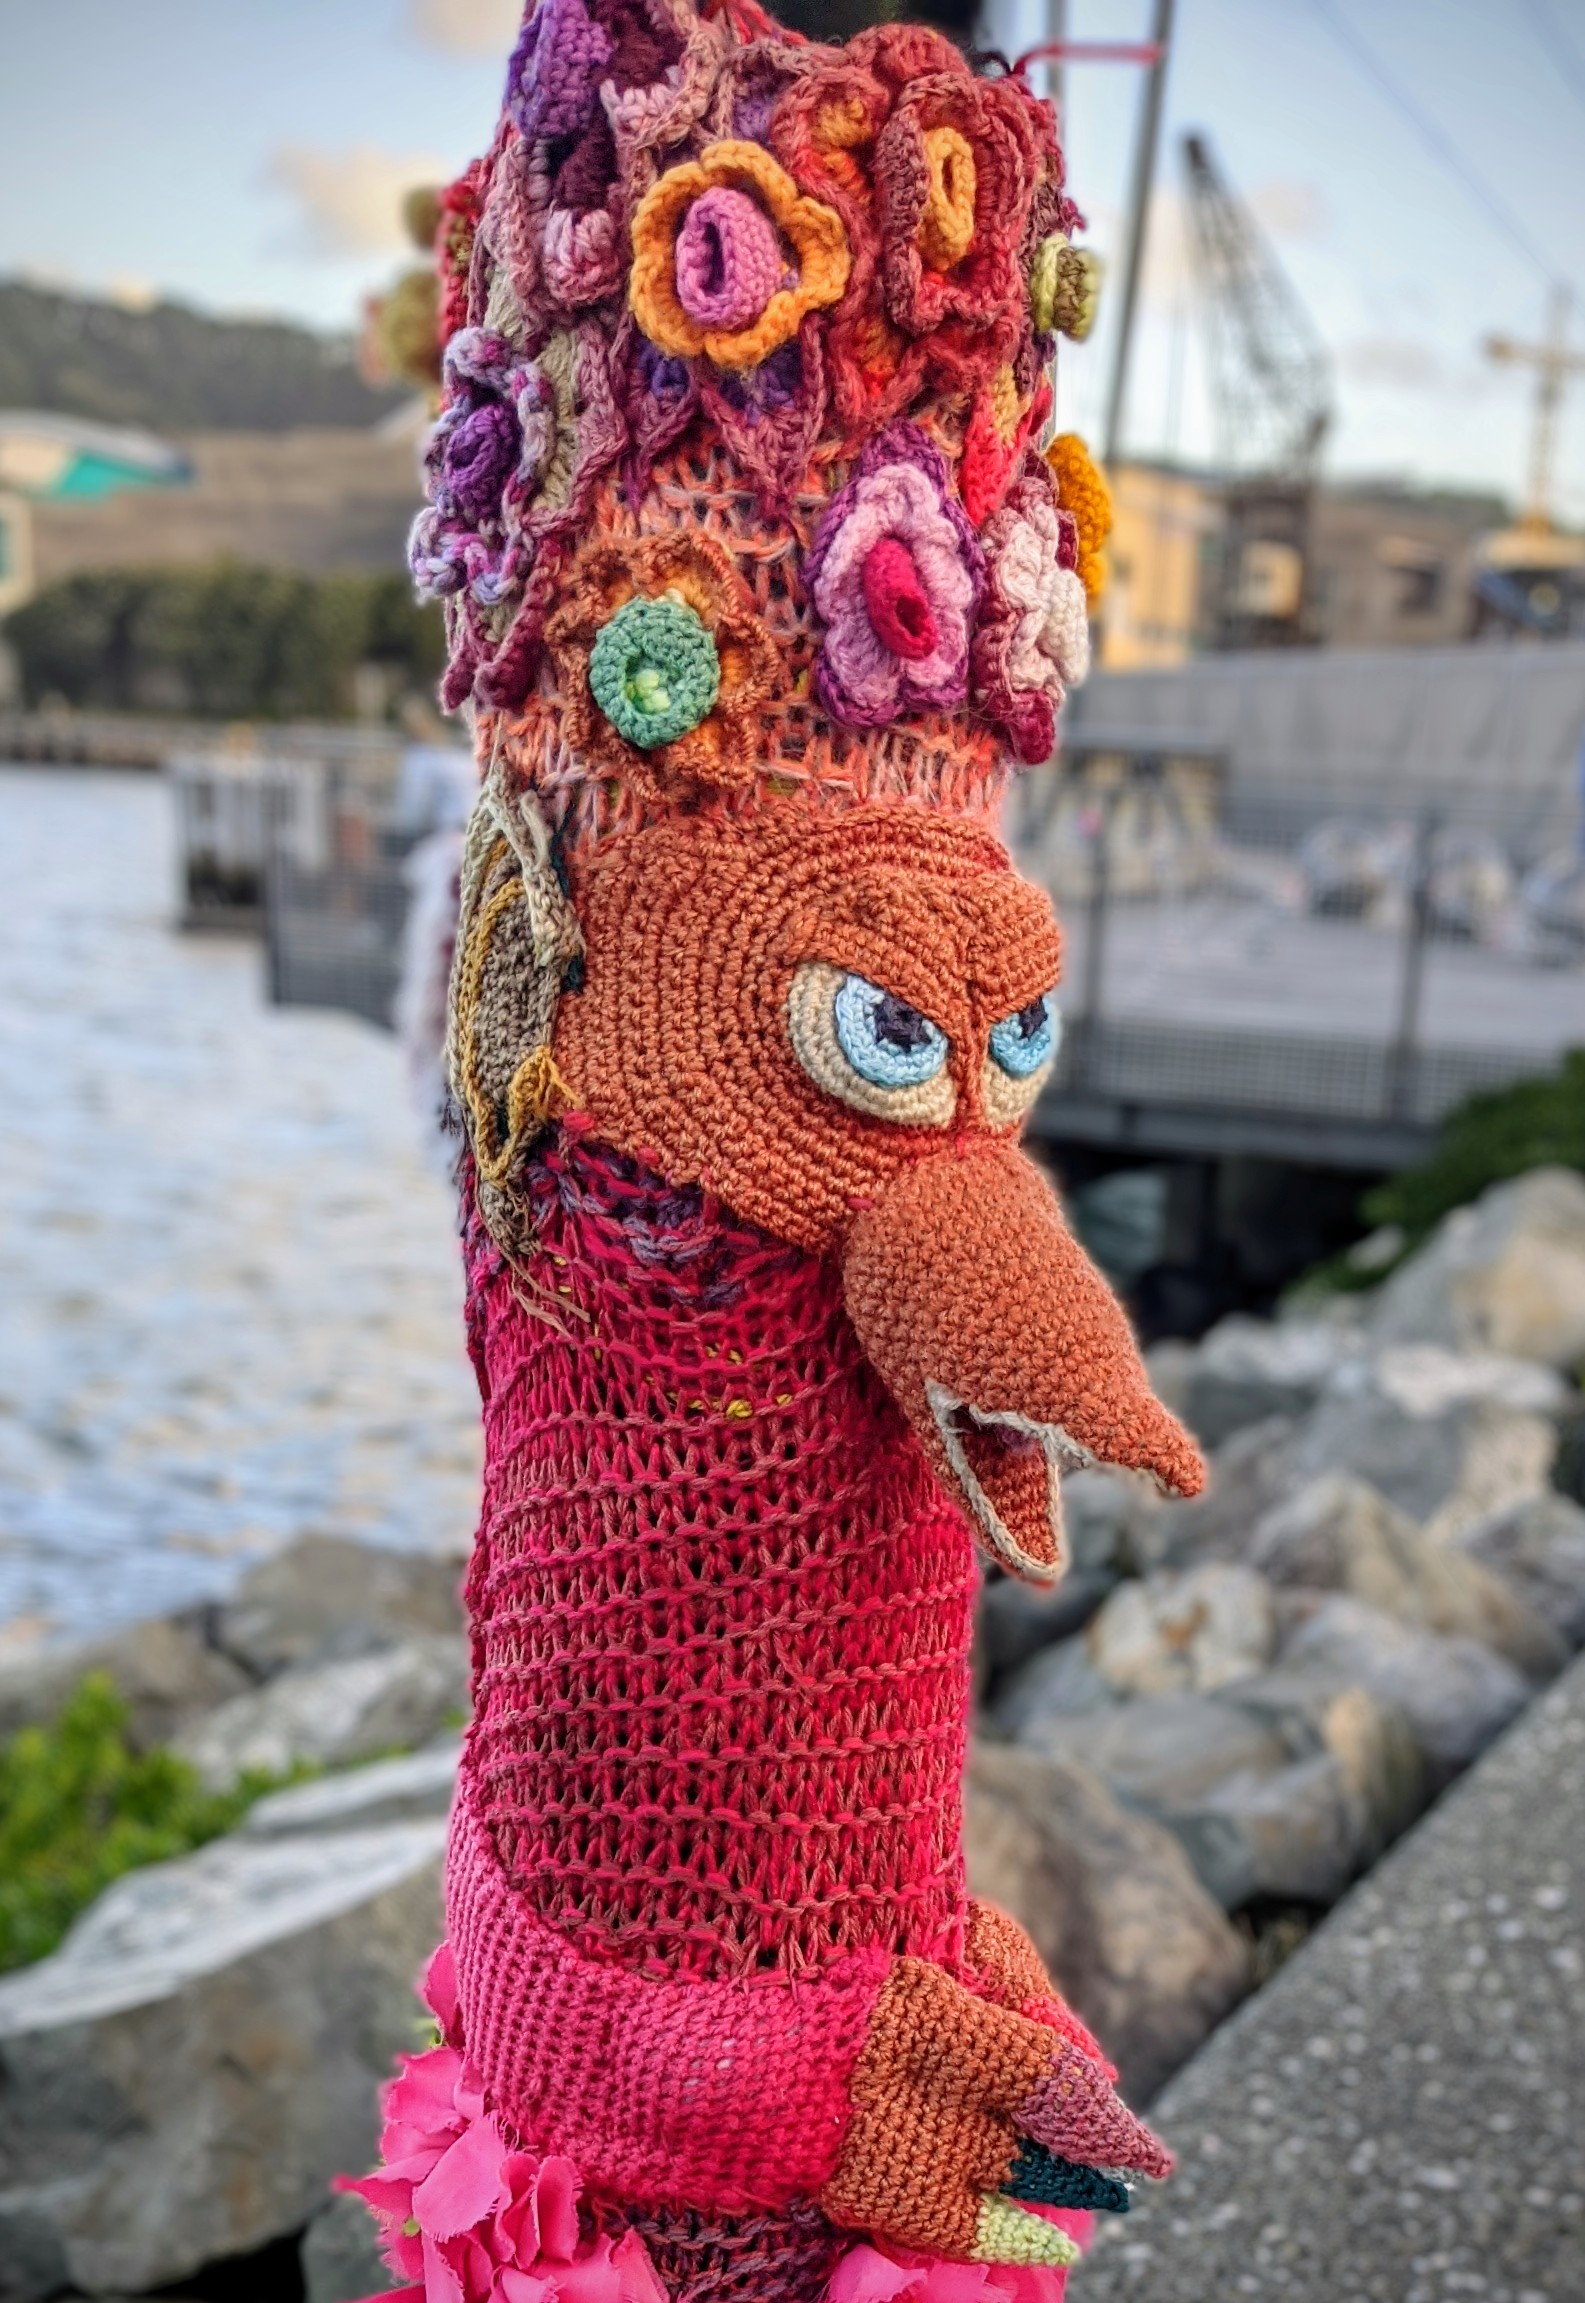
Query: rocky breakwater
[[1222, 1718], [180, 2080], [1383, 1572]]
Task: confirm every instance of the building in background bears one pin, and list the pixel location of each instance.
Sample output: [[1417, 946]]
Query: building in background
[[318, 501], [1387, 567]]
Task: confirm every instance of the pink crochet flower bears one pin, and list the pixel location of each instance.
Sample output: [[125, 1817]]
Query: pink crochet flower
[[467, 2218], [1033, 640], [895, 573], [871, 2274]]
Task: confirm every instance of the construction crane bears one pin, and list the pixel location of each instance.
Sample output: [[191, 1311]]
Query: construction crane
[[1530, 578], [1271, 379]]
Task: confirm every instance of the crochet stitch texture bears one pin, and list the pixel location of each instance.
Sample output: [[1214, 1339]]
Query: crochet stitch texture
[[759, 583]]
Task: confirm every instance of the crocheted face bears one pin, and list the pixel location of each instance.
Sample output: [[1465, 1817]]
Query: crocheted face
[[839, 1028]]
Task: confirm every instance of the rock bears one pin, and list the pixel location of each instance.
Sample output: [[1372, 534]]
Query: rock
[[1447, 1440], [1015, 1620], [1539, 1547], [1247, 1369], [1396, 2116], [1193, 1628], [1505, 1275], [389, 1791], [325, 1597], [1169, 1365], [1127, 1932], [1059, 1683], [1383, 1777], [1338, 1534], [1253, 1818], [164, 1672], [1289, 1834], [1164, 1752], [1250, 1473], [335, 1714], [341, 2256], [179, 2082], [1455, 1695]]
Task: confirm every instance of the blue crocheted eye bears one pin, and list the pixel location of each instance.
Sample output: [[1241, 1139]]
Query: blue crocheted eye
[[1024, 1043], [886, 1041]]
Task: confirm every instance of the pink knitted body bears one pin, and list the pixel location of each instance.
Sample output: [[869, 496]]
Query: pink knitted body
[[721, 1619]]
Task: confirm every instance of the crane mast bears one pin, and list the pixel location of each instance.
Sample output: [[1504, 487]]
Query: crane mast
[[1271, 379]]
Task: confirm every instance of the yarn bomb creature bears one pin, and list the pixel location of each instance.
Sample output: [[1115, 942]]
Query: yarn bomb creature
[[759, 580]]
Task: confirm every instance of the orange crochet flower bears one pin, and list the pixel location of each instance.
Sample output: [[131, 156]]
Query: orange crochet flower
[[688, 584], [711, 271], [1083, 494], [932, 171]]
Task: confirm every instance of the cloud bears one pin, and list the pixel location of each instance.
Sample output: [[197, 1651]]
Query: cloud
[[1401, 363], [1290, 208], [349, 203], [467, 27]]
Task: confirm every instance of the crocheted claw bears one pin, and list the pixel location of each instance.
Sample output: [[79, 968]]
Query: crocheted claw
[[948, 2096]]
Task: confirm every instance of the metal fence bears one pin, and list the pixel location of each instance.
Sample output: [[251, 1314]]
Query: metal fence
[[1243, 955], [303, 842]]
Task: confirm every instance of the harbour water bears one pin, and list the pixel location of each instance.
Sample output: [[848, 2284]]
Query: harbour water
[[229, 1285]]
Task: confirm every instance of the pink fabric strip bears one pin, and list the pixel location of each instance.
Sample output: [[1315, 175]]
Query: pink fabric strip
[[726, 2096]]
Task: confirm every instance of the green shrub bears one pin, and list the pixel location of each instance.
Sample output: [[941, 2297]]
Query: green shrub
[[78, 1807], [1536, 1123], [225, 641]]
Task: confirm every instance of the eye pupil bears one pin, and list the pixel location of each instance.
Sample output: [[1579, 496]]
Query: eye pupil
[[1025, 1042], [888, 1042], [897, 1025]]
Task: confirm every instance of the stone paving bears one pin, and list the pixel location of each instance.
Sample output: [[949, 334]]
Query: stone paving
[[228, 1273], [1400, 2116]]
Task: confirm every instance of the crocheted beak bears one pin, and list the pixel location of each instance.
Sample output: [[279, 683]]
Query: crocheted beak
[[1004, 1347]]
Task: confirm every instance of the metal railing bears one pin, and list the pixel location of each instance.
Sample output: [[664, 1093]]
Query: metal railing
[[1271, 957]]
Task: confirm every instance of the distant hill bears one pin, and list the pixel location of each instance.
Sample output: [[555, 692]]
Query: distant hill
[[173, 369]]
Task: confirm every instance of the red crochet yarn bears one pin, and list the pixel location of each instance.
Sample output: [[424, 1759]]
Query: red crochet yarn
[[721, 1606]]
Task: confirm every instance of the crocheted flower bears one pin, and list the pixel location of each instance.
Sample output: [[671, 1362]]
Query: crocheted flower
[[509, 464], [581, 253], [728, 256], [485, 460], [460, 204], [1085, 497], [895, 573], [1001, 420], [463, 2214], [932, 173], [1033, 638], [1064, 288], [955, 168], [871, 2274], [662, 664], [553, 79]]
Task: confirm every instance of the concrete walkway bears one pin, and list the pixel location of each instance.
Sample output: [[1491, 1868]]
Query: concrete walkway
[[1400, 2116]]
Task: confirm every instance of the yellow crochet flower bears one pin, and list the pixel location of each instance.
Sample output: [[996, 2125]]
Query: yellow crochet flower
[[1083, 493], [711, 272]]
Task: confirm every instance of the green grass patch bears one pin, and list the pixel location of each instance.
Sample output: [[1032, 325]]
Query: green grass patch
[[79, 1806]]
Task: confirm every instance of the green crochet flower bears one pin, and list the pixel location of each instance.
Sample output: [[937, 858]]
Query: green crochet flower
[[654, 671]]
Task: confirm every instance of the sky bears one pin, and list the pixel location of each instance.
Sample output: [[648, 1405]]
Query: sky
[[247, 156]]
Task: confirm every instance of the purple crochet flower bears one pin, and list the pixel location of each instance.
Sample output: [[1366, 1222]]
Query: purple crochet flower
[[553, 80], [484, 463], [895, 573]]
